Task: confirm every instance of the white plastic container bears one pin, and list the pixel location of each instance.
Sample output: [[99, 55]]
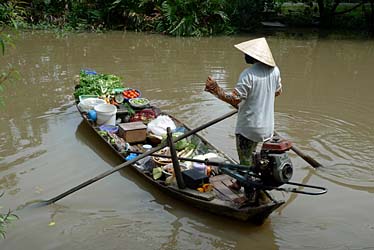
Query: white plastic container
[[89, 103], [106, 114]]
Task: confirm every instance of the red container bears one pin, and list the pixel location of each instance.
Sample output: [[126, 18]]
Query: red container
[[277, 144]]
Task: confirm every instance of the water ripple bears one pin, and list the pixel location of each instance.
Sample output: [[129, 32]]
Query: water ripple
[[344, 147]]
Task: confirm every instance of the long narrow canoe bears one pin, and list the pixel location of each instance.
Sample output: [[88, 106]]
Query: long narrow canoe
[[219, 200]]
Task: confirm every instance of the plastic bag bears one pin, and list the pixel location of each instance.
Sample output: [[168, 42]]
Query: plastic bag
[[159, 125]]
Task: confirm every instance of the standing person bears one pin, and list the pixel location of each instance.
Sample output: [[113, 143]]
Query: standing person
[[254, 96]]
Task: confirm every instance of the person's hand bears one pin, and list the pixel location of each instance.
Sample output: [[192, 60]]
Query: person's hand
[[278, 92], [211, 85]]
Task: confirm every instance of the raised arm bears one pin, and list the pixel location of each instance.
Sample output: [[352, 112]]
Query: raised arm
[[231, 98]]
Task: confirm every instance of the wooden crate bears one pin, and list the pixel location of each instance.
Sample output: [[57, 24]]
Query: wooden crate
[[133, 131]]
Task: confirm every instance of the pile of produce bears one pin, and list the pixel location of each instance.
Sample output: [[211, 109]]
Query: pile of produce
[[131, 125], [109, 88], [101, 85], [131, 93]]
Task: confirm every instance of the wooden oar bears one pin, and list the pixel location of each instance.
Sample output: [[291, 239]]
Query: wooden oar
[[206, 161], [306, 157], [127, 163]]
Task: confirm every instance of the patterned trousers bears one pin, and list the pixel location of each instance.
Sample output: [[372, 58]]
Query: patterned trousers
[[245, 148]]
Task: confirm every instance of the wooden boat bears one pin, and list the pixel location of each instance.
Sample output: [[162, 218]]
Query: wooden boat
[[220, 199]]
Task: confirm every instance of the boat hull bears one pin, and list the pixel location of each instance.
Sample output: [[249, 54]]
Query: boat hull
[[212, 204]]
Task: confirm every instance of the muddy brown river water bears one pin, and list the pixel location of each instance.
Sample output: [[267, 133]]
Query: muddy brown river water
[[326, 109]]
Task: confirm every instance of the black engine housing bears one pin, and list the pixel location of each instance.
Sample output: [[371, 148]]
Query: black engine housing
[[273, 165], [272, 168]]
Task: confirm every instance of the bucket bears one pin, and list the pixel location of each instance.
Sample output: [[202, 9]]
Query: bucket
[[89, 103], [106, 114]]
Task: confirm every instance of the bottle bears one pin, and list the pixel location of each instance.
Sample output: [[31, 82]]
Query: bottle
[[142, 163]]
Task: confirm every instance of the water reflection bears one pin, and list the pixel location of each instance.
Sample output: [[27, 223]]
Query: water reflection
[[9, 182], [20, 132], [344, 147], [85, 135], [292, 197]]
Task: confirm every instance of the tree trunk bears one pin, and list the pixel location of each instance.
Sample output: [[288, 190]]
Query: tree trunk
[[326, 12], [323, 14]]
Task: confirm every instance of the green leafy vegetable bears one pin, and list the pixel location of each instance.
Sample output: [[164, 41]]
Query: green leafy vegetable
[[139, 101], [157, 173], [129, 109], [97, 84], [179, 145]]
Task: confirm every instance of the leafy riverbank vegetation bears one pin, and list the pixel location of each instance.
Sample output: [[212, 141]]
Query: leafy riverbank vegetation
[[5, 219], [6, 72], [187, 17]]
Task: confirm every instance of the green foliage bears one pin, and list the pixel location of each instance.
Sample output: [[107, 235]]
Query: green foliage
[[303, 15], [5, 15], [328, 14], [247, 14], [139, 15], [66, 15], [2, 45], [5, 39], [12, 13], [5, 219], [7, 71], [193, 18], [90, 14], [4, 75], [97, 84], [181, 17], [357, 19]]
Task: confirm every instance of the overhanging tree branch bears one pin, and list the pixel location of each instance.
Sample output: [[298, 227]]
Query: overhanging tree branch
[[348, 10]]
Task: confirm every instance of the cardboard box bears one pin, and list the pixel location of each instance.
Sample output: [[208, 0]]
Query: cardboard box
[[133, 131]]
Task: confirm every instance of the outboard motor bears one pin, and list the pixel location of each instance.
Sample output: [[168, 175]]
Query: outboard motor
[[271, 168], [272, 165]]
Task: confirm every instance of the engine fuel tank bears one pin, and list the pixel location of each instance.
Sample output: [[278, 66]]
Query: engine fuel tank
[[277, 144]]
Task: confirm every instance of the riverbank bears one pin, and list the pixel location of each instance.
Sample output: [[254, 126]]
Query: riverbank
[[186, 18]]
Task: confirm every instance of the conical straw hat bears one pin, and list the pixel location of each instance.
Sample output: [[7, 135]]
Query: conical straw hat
[[258, 49]]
